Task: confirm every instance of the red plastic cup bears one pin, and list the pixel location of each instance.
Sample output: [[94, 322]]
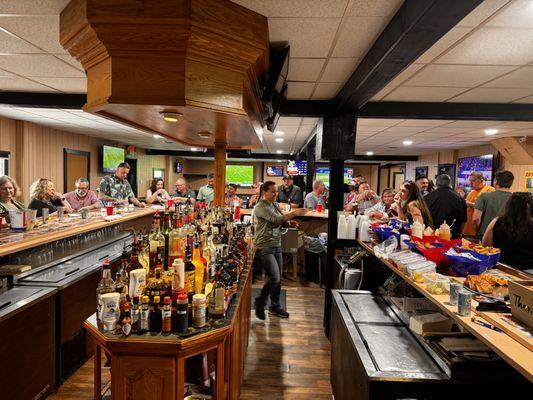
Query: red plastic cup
[[109, 209], [170, 203], [319, 208]]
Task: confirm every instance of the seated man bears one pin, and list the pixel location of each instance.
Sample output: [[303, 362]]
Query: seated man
[[115, 188], [316, 197], [182, 194], [231, 196], [83, 197], [365, 199], [288, 193]]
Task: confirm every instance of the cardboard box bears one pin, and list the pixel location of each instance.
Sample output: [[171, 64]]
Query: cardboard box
[[521, 298]]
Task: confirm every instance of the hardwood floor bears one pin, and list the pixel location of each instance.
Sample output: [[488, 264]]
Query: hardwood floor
[[287, 358]]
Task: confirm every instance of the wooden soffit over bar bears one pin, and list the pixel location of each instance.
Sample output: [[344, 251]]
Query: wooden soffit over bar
[[204, 59]]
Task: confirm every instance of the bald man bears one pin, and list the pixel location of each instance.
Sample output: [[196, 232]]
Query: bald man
[[183, 194]]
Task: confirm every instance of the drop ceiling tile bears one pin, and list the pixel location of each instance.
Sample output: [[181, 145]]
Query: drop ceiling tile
[[296, 8], [309, 121], [443, 44], [18, 84], [482, 12], [298, 31], [299, 90], [406, 129], [326, 90], [66, 85], [473, 124], [525, 100], [516, 125], [383, 93], [421, 93], [38, 65], [520, 78], [386, 122], [519, 14], [369, 129], [456, 75], [357, 35], [288, 130], [42, 30], [10, 44], [493, 47], [71, 60], [305, 69], [491, 95], [339, 69], [284, 121], [373, 8], [36, 7], [405, 74], [424, 122]]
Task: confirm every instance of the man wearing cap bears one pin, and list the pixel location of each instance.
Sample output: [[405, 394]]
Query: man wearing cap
[[207, 192], [289, 193], [353, 186]]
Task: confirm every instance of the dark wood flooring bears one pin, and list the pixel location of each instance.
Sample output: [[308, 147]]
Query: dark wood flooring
[[287, 358]]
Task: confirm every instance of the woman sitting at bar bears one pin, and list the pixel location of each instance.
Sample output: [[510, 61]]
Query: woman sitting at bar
[[8, 191], [43, 195], [383, 210], [157, 193], [512, 233], [410, 204]]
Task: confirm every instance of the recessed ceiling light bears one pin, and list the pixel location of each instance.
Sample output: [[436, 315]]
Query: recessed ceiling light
[[157, 136], [407, 142], [279, 133], [279, 140], [490, 132], [205, 134], [279, 161], [369, 153], [292, 152], [194, 149], [170, 116], [279, 151]]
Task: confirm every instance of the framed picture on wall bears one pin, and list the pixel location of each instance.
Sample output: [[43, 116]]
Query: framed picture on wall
[[448, 169], [158, 173], [4, 163], [421, 171]]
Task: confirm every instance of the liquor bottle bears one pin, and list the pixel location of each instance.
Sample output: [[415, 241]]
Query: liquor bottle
[[190, 273], [155, 285], [121, 286], [106, 285], [178, 278], [200, 269], [166, 316], [217, 309], [175, 242], [134, 262], [157, 245], [144, 253], [135, 315], [167, 229], [155, 317], [144, 322]]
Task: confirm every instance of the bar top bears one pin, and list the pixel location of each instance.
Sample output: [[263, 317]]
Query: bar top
[[310, 214], [517, 355], [12, 242]]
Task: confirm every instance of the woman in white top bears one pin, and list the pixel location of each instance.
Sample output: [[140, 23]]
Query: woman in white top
[[157, 193]]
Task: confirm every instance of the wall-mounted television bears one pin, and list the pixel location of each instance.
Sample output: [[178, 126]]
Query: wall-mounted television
[[322, 173], [111, 157], [274, 170], [467, 165], [297, 167], [241, 175]]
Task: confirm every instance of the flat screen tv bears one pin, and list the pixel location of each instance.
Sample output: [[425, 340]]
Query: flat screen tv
[[297, 167], [241, 175], [274, 170], [467, 165], [111, 157], [322, 173]]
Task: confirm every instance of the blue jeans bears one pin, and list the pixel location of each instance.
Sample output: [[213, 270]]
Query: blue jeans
[[271, 262]]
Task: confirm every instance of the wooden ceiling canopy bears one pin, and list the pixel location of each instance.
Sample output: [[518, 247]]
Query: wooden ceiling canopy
[[204, 59]]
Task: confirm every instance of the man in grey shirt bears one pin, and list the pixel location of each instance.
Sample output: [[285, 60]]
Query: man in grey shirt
[[316, 196], [269, 220]]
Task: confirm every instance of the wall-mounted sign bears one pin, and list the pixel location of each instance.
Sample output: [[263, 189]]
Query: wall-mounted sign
[[528, 181]]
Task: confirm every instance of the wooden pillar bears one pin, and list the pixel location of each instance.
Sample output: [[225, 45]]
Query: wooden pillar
[[220, 172]]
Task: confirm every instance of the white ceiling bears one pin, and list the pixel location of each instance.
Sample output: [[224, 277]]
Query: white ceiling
[[487, 57]]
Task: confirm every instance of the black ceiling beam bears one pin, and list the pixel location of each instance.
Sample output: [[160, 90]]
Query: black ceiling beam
[[210, 154], [43, 100], [416, 26], [451, 111], [304, 108]]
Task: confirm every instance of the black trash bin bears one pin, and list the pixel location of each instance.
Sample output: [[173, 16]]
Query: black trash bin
[[313, 252]]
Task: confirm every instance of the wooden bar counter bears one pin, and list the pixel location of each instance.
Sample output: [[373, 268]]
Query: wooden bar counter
[[153, 366]]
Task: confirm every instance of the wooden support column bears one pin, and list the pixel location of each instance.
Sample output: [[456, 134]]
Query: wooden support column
[[220, 172]]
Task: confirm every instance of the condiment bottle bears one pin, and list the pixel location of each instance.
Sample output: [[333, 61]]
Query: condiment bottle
[[144, 322], [135, 315], [167, 315], [182, 319], [198, 310], [155, 320], [126, 322]]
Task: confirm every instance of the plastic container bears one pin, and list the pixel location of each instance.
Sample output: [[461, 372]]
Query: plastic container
[[464, 266], [436, 283], [417, 271]]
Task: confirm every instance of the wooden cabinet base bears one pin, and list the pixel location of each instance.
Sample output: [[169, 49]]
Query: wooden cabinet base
[[153, 368]]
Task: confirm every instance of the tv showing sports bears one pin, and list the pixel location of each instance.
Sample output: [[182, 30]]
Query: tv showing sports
[[274, 170], [322, 173], [241, 175], [111, 157], [467, 165], [297, 167]]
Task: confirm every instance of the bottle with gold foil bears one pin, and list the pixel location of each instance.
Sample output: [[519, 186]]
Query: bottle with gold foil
[[199, 269], [190, 273]]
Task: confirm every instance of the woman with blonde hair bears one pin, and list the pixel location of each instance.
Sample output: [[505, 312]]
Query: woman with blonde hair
[[44, 195], [9, 190]]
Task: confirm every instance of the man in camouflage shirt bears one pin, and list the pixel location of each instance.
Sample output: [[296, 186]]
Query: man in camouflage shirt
[[116, 188]]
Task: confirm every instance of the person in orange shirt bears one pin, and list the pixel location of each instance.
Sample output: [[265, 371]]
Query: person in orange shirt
[[477, 182]]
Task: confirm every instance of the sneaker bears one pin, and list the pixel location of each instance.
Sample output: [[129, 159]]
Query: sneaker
[[278, 312], [260, 313]]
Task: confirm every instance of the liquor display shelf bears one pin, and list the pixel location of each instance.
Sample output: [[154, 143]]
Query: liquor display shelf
[[141, 362]]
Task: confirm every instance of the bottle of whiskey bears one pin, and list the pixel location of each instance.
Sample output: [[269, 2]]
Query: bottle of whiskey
[[157, 245], [106, 285], [155, 285], [175, 242], [217, 309], [199, 269], [190, 273]]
